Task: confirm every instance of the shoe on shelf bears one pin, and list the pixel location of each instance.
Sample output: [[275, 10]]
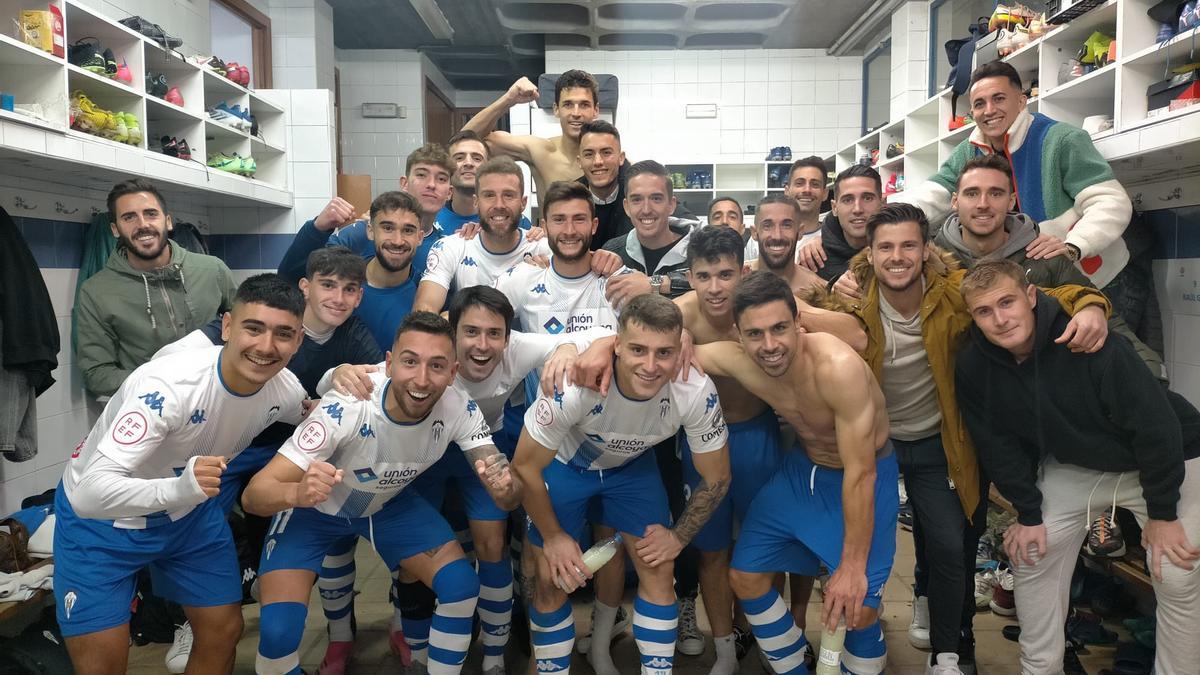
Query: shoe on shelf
[[918, 629], [620, 624], [133, 127], [110, 64], [117, 131], [1104, 536], [1003, 602], [87, 116], [184, 151], [124, 74], [86, 53], [224, 162], [248, 166], [787, 153], [691, 640], [156, 84], [243, 118], [945, 663], [169, 146], [173, 96], [221, 112], [985, 582], [244, 74], [231, 72], [337, 657], [180, 650]]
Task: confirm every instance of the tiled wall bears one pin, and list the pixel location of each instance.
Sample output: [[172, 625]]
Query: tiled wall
[[186, 19], [765, 97], [1177, 277], [910, 57], [302, 54]]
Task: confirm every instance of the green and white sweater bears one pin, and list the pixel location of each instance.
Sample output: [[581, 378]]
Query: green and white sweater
[[1061, 181]]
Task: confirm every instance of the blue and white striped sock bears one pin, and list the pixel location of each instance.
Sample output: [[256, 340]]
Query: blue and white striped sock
[[457, 589], [654, 630], [776, 632], [495, 609], [865, 652], [336, 585], [553, 636]]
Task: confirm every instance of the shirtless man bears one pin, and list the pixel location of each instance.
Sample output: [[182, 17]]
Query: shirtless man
[[551, 159], [715, 268], [777, 221], [841, 479]]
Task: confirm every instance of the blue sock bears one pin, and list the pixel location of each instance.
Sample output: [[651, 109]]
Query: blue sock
[[776, 632], [457, 590], [336, 584], [281, 625], [495, 609], [865, 652], [553, 635], [654, 630]]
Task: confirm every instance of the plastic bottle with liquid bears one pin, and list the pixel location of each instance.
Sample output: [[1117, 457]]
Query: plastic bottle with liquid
[[601, 552], [830, 660]]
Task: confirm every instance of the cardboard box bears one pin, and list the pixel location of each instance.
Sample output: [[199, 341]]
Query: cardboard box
[[43, 28], [356, 190]]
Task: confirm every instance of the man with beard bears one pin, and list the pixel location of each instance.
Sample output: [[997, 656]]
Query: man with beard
[[806, 183], [151, 291], [776, 227], [384, 443], [140, 490], [915, 318], [455, 262], [857, 195], [727, 212], [468, 152], [551, 159]]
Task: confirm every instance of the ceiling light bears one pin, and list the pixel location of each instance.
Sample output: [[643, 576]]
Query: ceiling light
[[434, 19]]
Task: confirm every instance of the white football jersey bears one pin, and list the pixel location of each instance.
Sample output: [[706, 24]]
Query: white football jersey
[[547, 302], [176, 407], [596, 432], [456, 263], [380, 456]]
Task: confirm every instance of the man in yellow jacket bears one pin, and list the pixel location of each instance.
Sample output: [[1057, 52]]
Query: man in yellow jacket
[[916, 321]]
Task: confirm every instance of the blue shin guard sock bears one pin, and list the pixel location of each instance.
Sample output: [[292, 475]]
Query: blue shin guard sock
[[495, 609], [776, 632], [655, 628], [865, 652], [457, 590], [281, 625], [414, 602], [553, 635], [336, 584]]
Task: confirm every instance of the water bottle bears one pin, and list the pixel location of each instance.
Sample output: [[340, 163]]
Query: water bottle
[[601, 552], [830, 660]]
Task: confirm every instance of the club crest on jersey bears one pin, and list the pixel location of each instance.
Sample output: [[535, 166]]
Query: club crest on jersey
[[553, 326], [543, 412], [311, 436], [69, 602], [365, 475], [334, 410], [438, 426], [130, 429], [664, 407], [197, 417], [154, 401]]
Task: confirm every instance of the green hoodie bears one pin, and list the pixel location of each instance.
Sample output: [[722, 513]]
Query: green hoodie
[[123, 315]]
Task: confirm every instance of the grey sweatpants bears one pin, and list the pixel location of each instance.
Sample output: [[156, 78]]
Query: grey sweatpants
[[1043, 590]]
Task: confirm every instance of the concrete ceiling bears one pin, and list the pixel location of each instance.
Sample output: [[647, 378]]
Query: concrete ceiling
[[495, 41]]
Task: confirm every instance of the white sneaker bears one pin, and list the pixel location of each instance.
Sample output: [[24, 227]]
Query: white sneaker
[[621, 624], [985, 582], [691, 640], [181, 649], [947, 664], [918, 630]]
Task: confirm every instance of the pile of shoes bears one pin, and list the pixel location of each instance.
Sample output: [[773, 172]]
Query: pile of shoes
[[156, 85], [235, 116], [699, 180], [176, 147], [90, 118], [960, 121], [233, 163], [232, 71], [782, 153], [895, 185], [90, 55], [677, 180], [777, 176]]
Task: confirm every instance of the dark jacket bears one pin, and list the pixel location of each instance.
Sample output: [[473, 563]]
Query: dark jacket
[[614, 222], [29, 339], [673, 264], [838, 251], [1103, 411]]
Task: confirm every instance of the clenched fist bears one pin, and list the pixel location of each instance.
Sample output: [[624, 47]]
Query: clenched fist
[[317, 484], [207, 471]]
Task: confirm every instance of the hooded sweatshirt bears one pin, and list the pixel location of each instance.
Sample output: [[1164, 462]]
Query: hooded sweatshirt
[[1101, 411], [124, 315], [838, 251]]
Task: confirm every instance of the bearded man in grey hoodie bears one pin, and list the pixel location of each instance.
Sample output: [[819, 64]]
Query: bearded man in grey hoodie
[[982, 226]]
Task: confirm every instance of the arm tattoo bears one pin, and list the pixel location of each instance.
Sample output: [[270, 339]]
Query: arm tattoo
[[504, 500], [699, 509]]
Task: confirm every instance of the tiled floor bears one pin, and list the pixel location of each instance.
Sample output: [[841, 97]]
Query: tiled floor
[[996, 656]]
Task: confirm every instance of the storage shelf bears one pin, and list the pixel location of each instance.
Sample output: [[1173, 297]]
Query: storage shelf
[[77, 74], [259, 144], [1177, 49], [1093, 85], [16, 53], [957, 135], [33, 121], [1103, 16], [158, 109]]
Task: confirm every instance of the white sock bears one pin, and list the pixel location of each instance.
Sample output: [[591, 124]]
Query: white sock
[[726, 663], [396, 625], [602, 627]]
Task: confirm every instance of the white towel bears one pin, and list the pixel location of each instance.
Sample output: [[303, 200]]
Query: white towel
[[22, 585]]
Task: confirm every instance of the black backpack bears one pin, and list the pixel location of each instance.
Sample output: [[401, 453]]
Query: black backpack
[[38, 650], [960, 52]]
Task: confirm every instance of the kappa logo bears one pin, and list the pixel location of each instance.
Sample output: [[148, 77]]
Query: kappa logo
[[468, 261], [334, 410], [69, 602], [597, 409], [553, 326], [472, 406], [365, 475], [197, 417], [558, 398], [540, 289], [154, 401], [658, 662], [366, 431], [438, 426], [710, 402]]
